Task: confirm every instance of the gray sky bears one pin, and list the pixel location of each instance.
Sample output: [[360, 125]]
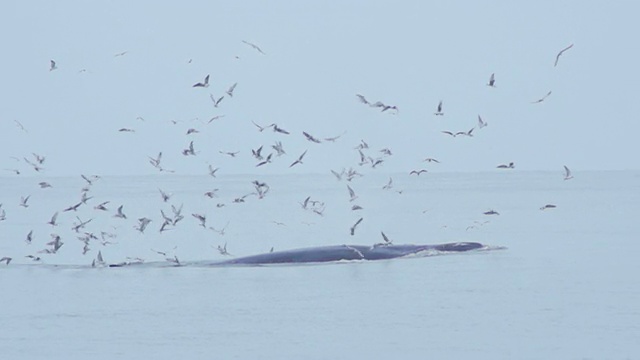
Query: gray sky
[[318, 56]]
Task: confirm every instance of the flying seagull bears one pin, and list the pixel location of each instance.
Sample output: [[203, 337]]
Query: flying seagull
[[439, 112], [254, 46], [353, 228], [560, 54], [481, 123], [203, 84], [541, 99], [230, 91], [504, 166], [54, 67], [299, 160], [567, 173], [492, 80]]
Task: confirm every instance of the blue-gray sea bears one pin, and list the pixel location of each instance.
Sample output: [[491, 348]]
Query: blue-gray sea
[[563, 286]]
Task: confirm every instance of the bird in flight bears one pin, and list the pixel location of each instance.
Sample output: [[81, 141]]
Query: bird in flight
[[439, 111], [52, 65], [492, 80], [299, 160], [503, 166], [254, 46], [310, 137], [548, 206], [431, 160], [230, 91], [560, 54], [203, 84], [353, 228], [567, 173], [417, 172], [481, 123], [541, 99]]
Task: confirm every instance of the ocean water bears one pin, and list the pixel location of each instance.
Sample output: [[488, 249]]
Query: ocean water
[[564, 286]]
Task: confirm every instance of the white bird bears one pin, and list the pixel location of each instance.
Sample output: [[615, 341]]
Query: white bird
[[542, 98], [567, 173], [254, 46], [481, 123], [352, 194]]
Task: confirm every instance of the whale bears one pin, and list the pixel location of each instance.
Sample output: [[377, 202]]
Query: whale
[[323, 254], [326, 254]]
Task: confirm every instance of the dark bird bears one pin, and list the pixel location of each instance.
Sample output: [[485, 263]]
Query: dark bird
[[417, 172], [203, 84], [353, 228], [439, 111], [491, 212], [504, 166], [492, 80], [44, 185], [102, 206], [73, 207], [548, 206], [230, 153], [299, 160], [352, 194], [385, 238], [431, 160], [254, 46], [310, 137], [541, 99], [280, 130], [52, 65], [560, 54]]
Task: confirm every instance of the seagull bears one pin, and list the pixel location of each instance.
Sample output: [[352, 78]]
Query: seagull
[[203, 84], [362, 99], [385, 238], [492, 80], [278, 148], [142, 224], [6, 260], [333, 139], [491, 212], [431, 160], [548, 206], [215, 118], [102, 206], [567, 173], [541, 99], [560, 53], [212, 171], [119, 213], [388, 185], [310, 137], [223, 250], [52, 222], [266, 161], [481, 123], [120, 54], [254, 46], [165, 196], [73, 207], [353, 228], [23, 201], [201, 218], [29, 237], [230, 91], [18, 124], [232, 154], [261, 128], [417, 172], [44, 185], [280, 130], [503, 166], [352, 194], [299, 161], [439, 111], [356, 207], [52, 65], [126, 130], [217, 101], [192, 131]]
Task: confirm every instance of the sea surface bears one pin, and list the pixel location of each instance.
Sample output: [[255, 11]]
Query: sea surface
[[560, 283]]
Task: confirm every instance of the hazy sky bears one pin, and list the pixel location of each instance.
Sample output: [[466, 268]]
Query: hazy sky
[[319, 55]]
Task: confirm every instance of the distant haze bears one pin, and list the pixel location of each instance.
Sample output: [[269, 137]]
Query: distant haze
[[132, 65]]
